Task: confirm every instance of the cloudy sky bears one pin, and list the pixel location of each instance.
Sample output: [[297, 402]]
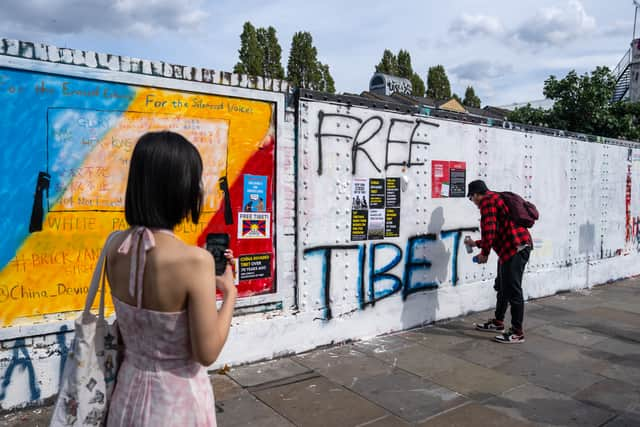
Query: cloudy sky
[[505, 49]]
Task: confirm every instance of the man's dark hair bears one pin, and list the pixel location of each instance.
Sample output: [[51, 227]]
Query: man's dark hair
[[164, 185]]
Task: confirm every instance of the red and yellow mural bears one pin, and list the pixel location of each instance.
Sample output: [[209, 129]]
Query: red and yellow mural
[[71, 140]]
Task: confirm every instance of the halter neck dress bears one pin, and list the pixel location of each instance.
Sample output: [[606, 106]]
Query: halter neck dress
[[159, 383]]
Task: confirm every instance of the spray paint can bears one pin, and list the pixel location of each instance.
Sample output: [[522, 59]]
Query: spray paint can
[[469, 248], [475, 259]]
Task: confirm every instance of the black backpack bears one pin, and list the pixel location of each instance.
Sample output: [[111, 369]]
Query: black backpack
[[522, 212]]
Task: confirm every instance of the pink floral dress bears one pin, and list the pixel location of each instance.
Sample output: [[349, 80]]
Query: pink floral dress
[[158, 384]]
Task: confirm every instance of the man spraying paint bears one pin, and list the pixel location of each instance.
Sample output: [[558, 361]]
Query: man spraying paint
[[513, 244]]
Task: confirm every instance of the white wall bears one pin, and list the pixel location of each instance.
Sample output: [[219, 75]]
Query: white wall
[[579, 188]]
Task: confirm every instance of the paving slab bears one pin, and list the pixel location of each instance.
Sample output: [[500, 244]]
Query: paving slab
[[625, 349], [548, 314], [559, 377], [618, 316], [35, 417], [383, 345], [477, 382], [343, 365], [224, 388], [537, 405], [421, 360], [564, 353], [473, 415], [320, 402], [266, 372], [623, 371], [436, 338], [485, 352], [614, 395], [246, 410], [386, 421], [622, 421], [408, 396], [572, 302], [571, 334]]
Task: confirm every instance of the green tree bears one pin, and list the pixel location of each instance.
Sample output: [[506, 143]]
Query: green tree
[[326, 83], [417, 85], [457, 98], [582, 104], [404, 64], [438, 86], [530, 115], [271, 53], [303, 68], [470, 98], [388, 64], [251, 56]]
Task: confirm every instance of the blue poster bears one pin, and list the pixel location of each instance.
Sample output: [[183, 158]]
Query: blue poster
[[255, 193]]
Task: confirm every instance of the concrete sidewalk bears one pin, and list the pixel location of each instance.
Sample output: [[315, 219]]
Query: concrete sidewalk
[[579, 366]]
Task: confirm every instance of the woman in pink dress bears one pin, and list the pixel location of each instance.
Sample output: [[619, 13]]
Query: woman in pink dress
[[164, 293]]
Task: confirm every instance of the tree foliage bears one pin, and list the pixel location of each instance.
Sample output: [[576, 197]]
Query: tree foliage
[[438, 86], [400, 66], [470, 98], [271, 53], [303, 68], [388, 64], [260, 53], [250, 53], [582, 103]]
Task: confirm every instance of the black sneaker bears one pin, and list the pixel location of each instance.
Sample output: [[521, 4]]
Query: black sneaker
[[490, 326], [510, 337]]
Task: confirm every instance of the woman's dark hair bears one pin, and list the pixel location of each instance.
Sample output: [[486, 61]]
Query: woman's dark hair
[[164, 181]]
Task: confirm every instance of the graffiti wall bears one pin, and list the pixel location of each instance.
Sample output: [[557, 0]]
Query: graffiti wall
[[67, 143], [396, 186], [348, 221]]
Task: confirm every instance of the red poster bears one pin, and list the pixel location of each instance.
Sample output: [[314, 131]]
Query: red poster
[[448, 178]]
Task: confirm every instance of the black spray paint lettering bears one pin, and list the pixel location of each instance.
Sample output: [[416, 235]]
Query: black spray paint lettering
[[412, 265], [367, 130]]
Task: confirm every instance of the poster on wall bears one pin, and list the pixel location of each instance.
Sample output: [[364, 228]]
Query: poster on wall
[[254, 266], [255, 193], [376, 224], [448, 178], [254, 225], [375, 212], [392, 222], [392, 192], [376, 193], [360, 193], [359, 224]]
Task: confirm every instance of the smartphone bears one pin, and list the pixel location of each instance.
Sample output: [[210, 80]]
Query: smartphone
[[217, 243]]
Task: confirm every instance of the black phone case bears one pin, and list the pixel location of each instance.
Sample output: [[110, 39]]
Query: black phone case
[[217, 243]]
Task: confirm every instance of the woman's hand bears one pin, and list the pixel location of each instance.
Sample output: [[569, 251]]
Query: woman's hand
[[225, 283]]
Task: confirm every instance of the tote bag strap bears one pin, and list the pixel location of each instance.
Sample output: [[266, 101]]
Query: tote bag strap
[[98, 274]]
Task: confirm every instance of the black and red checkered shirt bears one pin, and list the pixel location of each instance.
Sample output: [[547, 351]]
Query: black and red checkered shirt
[[498, 230]]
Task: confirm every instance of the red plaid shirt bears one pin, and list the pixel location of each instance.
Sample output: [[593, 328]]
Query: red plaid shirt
[[498, 230]]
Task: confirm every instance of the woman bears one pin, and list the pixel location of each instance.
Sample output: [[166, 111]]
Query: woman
[[164, 293]]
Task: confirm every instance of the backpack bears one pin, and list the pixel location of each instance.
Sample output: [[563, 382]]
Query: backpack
[[522, 212]]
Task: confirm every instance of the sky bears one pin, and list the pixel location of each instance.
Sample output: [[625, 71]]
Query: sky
[[505, 49]]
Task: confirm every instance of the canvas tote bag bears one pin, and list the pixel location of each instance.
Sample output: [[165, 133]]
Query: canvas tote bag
[[92, 364]]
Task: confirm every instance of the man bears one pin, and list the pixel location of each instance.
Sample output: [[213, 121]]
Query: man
[[513, 245]]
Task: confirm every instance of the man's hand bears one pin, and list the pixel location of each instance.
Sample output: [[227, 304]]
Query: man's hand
[[482, 259]]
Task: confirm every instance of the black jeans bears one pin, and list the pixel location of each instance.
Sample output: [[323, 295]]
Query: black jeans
[[509, 287]]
